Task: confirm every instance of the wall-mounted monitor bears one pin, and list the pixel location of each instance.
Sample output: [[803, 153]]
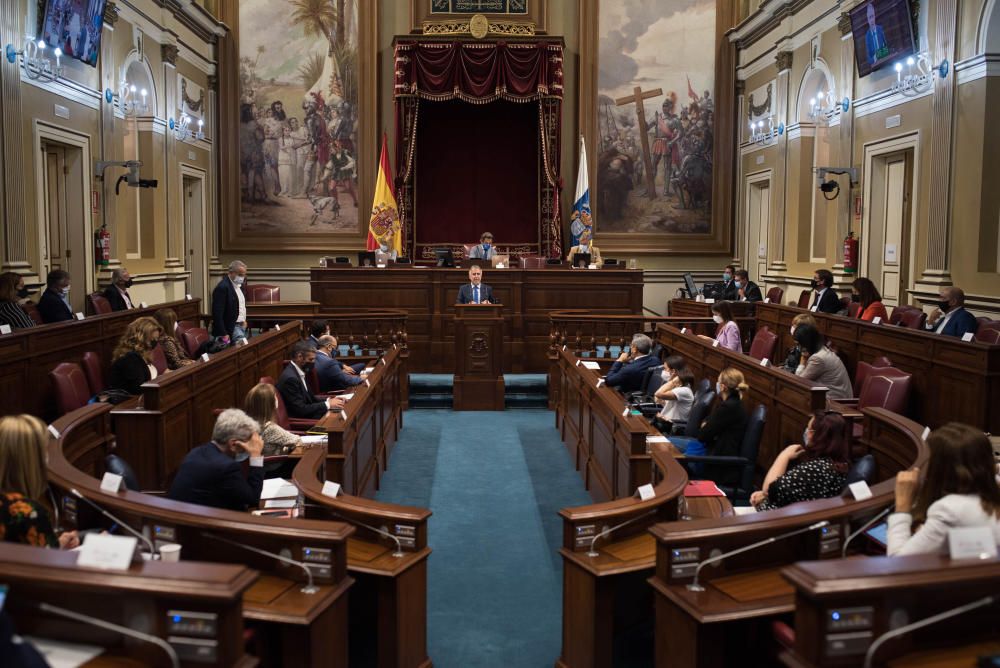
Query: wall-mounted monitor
[[883, 33], [74, 26]]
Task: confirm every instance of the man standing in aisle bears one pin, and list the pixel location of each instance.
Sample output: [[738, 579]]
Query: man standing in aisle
[[229, 306]]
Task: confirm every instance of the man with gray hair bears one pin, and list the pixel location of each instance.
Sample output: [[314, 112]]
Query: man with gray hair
[[117, 292], [229, 306], [333, 374], [628, 372], [950, 317], [212, 474]]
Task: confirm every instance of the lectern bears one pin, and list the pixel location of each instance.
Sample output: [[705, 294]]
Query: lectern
[[478, 357]]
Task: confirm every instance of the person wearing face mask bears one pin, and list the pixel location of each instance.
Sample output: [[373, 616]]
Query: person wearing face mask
[[212, 473], [729, 291], [676, 393], [485, 250], [299, 400], [795, 354], [261, 404], [11, 312], [950, 317], [54, 305], [629, 370], [172, 349], [864, 292], [816, 469], [820, 364], [229, 306], [722, 432], [727, 333], [333, 374], [132, 360], [586, 246], [746, 290], [826, 300], [20, 291], [117, 293]]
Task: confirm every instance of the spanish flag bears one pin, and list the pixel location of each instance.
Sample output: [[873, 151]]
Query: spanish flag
[[384, 227]]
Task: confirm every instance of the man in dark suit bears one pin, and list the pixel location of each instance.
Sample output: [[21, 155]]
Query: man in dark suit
[[333, 374], [300, 402], [628, 371], [212, 475], [229, 307], [316, 330], [54, 302], [826, 300], [117, 293], [475, 292], [746, 290], [729, 283], [950, 317]]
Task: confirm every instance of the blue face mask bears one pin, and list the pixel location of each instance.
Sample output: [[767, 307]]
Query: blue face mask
[[241, 456], [726, 276], [738, 284], [486, 246]]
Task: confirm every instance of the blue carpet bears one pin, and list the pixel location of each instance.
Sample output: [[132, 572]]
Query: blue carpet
[[494, 482]]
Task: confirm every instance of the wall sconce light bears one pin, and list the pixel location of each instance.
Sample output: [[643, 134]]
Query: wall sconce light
[[762, 137], [182, 128], [37, 65], [131, 103], [919, 75], [825, 105]]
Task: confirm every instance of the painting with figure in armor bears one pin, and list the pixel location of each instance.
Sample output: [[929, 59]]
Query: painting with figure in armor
[[298, 116], [655, 116]]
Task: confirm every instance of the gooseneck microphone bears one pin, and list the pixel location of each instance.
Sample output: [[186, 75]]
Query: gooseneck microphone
[[864, 527], [138, 534], [310, 587], [933, 619], [605, 532], [124, 630], [350, 520], [694, 586]]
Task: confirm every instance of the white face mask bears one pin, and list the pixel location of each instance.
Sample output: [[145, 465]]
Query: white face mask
[[792, 330], [718, 389], [238, 280], [276, 403], [666, 375], [717, 318], [176, 326]]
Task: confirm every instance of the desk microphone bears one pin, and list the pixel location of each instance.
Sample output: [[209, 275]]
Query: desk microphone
[[350, 520], [604, 532], [138, 534], [928, 621], [108, 626], [864, 527], [694, 586], [310, 588]]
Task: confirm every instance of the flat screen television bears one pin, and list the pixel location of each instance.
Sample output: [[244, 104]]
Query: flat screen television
[[690, 285], [883, 33], [581, 260], [74, 26], [366, 259], [444, 256]]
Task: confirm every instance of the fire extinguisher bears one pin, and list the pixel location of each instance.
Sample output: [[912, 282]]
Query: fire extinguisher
[[850, 254], [102, 247]]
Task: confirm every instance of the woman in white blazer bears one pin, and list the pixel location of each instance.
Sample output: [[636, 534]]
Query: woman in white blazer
[[959, 490]]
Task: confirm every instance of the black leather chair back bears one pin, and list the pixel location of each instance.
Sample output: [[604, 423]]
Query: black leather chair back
[[699, 411], [702, 386], [862, 469], [118, 466], [749, 449]]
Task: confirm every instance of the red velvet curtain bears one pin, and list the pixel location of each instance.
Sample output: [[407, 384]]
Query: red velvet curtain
[[479, 73]]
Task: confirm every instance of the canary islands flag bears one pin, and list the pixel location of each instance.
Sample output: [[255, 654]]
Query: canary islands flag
[[581, 224], [384, 229]]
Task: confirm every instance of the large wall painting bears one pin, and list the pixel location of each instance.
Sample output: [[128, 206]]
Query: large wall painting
[[299, 118]]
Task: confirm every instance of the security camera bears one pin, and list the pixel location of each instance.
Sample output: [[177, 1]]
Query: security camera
[[851, 172], [829, 186], [131, 179]]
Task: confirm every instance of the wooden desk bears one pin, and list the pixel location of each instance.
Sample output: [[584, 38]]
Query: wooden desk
[[952, 379], [27, 355], [427, 295], [145, 598], [298, 629], [869, 595], [789, 400], [175, 413], [718, 626], [743, 314]]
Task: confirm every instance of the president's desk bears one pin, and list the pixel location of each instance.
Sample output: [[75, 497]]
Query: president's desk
[[428, 294]]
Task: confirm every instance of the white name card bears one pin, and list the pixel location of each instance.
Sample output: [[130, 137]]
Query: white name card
[[699, 298], [347, 397], [767, 300], [5, 329], [382, 360], [79, 316], [877, 320], [143, 305], [710, 301], [111, 482], [367, 384], [343, 415], [971, 543], [578, 362], [277, 327], [860, 490], [765, 362], [204, 357], [813, 308], [564, 346], [241, 342], [591, 266], [684, 330], [53, 431], [646, 492], [499, 265], [600, 381], [591, 365], [625, 412], [380, 266], [927, 432], [187, 297], [331, 489], [968, 336], [715, 344], [107, 552]]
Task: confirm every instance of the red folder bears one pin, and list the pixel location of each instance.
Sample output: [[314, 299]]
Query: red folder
[[702, 488]]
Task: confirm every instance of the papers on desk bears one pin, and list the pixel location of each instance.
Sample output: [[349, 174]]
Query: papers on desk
[[347, 397], [314, 439], [59, 654], [591, 365], [744, 510], [278, 488], [280, 503], [702, 488]]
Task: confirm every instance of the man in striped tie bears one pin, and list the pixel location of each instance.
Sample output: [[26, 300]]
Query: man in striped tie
[[475, 292]]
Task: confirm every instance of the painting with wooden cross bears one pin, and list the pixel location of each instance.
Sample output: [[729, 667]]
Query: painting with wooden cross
[[655, 116]]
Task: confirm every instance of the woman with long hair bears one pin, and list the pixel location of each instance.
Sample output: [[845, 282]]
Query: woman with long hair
[[676, 393], [821, 470], [722, 432], [11, 313], [727, 332], [795, 354], [960, 489], [24, 488], [820, 364], [261, 403], [863, 291], [132, 360], [172, 350]]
